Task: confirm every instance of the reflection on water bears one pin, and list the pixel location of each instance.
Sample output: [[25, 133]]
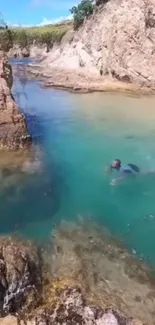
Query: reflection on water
[[81, 134]]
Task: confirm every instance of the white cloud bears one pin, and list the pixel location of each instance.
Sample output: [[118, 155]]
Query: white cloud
[[46, 21]]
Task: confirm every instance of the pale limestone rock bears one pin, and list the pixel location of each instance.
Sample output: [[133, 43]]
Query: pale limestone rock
[[119, 39]]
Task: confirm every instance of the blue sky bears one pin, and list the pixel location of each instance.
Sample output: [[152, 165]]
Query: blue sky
[[33, 12]]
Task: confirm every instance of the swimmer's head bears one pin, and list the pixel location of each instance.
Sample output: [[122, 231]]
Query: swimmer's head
[[116, 163]]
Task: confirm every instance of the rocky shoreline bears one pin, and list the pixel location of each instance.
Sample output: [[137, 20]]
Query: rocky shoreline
[[19, 274], [80, 82], [81, 276], [71, 308], [112, 51], [13, 131]]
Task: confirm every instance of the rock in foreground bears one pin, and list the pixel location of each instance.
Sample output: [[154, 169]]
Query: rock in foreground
[[13, 132], [36, 295], [71, 309], [19, 273], [108, 274]]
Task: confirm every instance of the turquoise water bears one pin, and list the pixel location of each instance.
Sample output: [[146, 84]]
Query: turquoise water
[[81, 134]]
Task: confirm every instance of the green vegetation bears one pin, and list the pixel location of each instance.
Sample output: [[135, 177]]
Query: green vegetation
[[84, 9], [40, 35], [6, 42]]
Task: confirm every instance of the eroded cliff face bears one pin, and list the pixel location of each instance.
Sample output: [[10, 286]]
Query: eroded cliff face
[[117, 42], [13, 132]]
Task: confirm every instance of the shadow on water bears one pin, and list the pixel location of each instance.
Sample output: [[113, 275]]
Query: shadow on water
[[28, 195]]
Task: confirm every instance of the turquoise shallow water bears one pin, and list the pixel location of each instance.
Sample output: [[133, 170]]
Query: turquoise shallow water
[[81, 134]]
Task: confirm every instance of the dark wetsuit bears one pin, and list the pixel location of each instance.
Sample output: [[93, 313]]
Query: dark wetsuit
[[128, 169]]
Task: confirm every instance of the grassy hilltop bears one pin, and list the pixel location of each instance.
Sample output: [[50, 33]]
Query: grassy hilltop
[[25, 36]]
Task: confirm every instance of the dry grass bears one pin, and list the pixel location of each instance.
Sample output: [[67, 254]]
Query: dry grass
[[25, 36]]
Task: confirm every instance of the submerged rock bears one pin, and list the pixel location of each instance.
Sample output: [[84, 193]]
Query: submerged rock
[[19, 274], [93, 293], [13, 131], [109, 275], [71, 309]]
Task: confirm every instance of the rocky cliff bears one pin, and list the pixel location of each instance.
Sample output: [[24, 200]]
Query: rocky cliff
[[116, 44], [13, 132]]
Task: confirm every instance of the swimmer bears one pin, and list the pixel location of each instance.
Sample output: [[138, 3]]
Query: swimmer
[[129, 169], [124, 170]]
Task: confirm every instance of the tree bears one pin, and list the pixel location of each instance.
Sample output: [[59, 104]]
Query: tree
[[47, 39], [22, 38], [81, 11], [5, 35]]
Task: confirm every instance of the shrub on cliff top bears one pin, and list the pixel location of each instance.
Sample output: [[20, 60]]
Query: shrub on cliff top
[[5, 35], [20, 37], [6, 41], [81, 11]]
